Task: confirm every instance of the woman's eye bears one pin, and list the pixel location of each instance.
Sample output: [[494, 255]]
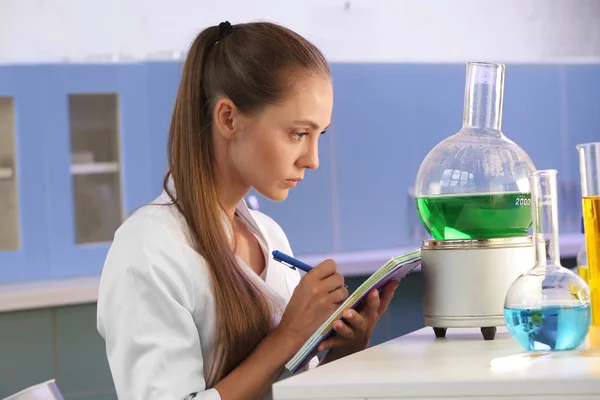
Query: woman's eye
[[299, 135]]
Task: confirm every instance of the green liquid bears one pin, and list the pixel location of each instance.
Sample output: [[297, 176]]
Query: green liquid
[[480, 216]]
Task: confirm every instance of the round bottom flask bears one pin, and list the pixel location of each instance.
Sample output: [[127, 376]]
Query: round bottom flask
[[548, 307]]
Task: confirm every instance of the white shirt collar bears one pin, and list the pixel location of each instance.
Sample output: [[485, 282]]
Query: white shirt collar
[[274, 282]]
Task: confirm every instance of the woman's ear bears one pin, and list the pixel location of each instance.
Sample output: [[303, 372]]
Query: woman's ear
[[227, 119]]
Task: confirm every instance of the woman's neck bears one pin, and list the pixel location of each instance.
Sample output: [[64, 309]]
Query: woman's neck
[[230, 188], [229, 198]]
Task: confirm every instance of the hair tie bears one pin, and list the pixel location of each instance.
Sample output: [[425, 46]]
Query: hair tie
[[225, 29]]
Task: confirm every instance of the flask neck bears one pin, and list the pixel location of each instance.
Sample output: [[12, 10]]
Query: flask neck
[[545, 217], [484, 95]]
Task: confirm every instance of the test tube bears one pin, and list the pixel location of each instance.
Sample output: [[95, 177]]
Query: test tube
[[589, 174]]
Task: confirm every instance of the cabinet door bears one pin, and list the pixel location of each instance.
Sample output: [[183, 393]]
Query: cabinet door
[[136, 137], [99, 168], [387, 118], [306, 216], [162, 84], [582, 109], [534, 117], [22, 207]]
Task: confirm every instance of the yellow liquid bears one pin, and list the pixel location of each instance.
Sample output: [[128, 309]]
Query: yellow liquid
[[591, 222]]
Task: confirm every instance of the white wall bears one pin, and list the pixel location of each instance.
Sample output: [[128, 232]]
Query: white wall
[[353, 30]]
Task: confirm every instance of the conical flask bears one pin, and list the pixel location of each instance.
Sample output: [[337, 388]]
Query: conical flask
[[548, 307], [475, 183]]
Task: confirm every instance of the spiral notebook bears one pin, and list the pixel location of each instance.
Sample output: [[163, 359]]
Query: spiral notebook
[[395, 269]]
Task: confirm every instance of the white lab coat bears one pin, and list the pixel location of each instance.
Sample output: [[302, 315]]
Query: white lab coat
[[156, 307]]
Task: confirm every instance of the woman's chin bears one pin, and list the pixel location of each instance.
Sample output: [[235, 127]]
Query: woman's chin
[[274, 194]]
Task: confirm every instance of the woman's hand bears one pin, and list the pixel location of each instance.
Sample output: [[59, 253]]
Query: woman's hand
[[318, 294], [353, 332]]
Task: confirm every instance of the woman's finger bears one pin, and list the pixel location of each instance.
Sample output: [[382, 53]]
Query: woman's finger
[[355, 320], [370, 311], [386, 296]]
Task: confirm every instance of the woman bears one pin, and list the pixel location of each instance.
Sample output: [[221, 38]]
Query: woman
[[190, 303]]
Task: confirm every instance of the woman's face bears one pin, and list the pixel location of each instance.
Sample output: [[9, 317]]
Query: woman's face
[[275, 147]]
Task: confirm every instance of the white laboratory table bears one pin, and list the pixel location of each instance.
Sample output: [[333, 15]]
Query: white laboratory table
[[460, 366]]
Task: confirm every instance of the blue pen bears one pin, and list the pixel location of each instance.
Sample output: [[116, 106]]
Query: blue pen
[[292, 262]]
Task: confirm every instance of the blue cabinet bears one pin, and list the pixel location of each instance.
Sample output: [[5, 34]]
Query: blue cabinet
[[98, 163], [386, 119], [83, 163], [91, 140], [582, 98], [581, 92], [162, 82], [532, 113], [536, 118], [23, 85]]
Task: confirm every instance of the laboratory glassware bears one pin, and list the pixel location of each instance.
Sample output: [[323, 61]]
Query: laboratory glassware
[[548, 307], [474, 184], [589, 173]]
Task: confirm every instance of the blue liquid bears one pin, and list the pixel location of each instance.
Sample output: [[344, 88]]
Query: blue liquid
[[549, 328]]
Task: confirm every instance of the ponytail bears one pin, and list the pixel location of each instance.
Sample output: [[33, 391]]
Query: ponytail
[[243, 314]]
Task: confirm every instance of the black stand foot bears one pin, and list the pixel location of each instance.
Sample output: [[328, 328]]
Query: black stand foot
[[440, 332], [489, 333]]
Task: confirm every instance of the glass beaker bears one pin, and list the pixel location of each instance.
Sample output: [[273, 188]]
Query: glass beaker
[[475, 183], [548, 307], [589, 173]]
